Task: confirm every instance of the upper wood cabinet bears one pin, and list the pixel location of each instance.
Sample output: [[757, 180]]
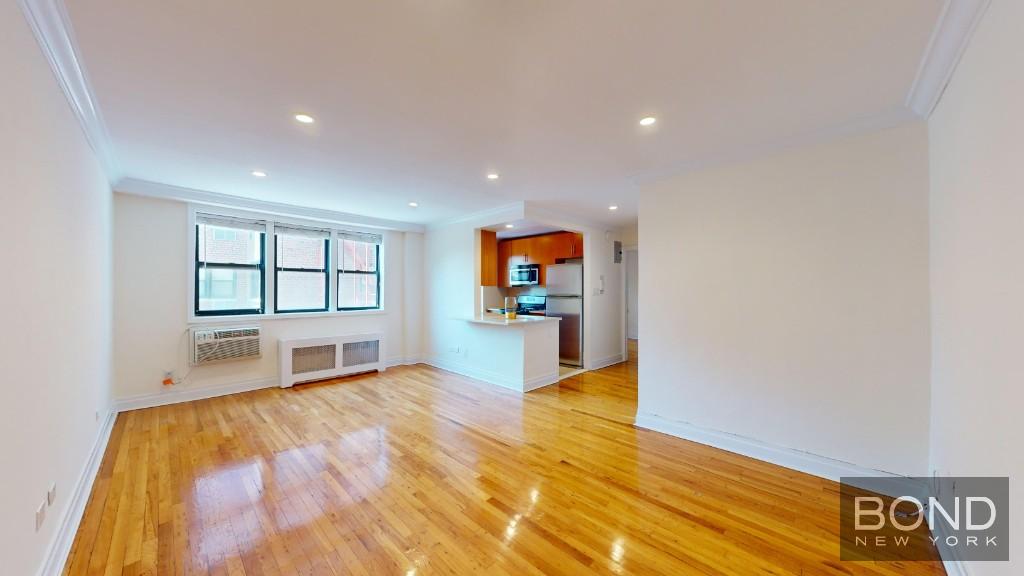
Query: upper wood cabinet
[[519, 251], [489, 258], [543, 250], [504, 255], [567, 245]]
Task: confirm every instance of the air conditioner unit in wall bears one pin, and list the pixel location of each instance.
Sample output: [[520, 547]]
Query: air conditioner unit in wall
[[218, 344], [309, 359]]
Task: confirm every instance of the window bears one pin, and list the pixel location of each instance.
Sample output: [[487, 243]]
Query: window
[[229, 266], [314, 269], [358, 271], [301, 259]]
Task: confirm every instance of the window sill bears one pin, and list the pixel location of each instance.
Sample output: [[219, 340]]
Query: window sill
[[249, 318]]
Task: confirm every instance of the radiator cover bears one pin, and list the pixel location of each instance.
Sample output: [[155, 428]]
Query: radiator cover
[[309, 359]]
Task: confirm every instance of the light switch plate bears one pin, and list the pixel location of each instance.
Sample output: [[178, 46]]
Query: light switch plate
[[40, 515]]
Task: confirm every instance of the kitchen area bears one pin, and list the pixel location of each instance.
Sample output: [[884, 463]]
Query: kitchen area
[[533, 273]]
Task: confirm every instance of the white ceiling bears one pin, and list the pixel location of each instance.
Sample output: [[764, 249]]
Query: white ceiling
[[418, 100]]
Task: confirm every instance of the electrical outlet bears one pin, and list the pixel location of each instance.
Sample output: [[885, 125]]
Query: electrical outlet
[[51, 494], [40, 515]]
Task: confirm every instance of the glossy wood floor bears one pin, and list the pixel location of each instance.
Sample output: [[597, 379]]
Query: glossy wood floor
[[420, 471]]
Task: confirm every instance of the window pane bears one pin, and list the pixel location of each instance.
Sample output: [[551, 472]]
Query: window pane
[[301, 290], [300, 252], [357, 290], [357, 256], [229, 246], [229, 289]]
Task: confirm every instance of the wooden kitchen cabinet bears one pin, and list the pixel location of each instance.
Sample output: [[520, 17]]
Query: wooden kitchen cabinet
[[504, 257], [567, 245], [519, 251], [489, 258], [541, 250]]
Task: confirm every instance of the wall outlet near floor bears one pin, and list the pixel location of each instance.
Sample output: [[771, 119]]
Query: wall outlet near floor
[[169, 378], [40, 515], [51, 494], [455, 349]]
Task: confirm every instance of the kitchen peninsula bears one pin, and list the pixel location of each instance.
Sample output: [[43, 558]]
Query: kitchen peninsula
[[531, 339]]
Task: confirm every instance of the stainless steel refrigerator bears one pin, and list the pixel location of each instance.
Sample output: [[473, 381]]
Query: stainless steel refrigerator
[[565, 301]]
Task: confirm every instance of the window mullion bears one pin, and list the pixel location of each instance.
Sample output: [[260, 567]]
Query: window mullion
[[333, 296], [269, 280]]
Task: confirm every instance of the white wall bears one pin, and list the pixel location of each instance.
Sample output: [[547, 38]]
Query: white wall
[[152, 272], [494, 354], [630, 234], [631, 261], [977, 251], [786, 299], [56, 348]]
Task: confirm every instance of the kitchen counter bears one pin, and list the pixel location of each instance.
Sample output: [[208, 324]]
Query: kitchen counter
[[520, 354], [500, 320]]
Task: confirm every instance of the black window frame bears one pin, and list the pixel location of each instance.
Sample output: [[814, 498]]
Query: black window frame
[[326, 273], [341, 270], [261, 267]]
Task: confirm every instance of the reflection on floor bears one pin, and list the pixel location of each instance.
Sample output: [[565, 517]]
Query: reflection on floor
[[420, 471], [566, 371]]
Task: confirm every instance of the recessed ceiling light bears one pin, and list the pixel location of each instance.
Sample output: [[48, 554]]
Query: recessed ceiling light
[[647, 121], [413, 204], [492, 176], [509, 226], [259, 173], [613, 207], [304, 118]]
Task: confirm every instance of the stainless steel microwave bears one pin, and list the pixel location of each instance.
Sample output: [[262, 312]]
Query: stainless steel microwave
[[524, 274]]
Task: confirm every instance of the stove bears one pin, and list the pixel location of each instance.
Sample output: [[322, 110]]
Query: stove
[[529, 303]]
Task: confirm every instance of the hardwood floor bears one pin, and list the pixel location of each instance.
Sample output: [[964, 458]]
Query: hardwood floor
[[420, 471]]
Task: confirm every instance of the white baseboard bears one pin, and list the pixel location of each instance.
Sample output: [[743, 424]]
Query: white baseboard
[[540, 382], [806, 462], [175, 395], [60, 546], [403, 361], [606, 362], [487, 376], [950, 560]]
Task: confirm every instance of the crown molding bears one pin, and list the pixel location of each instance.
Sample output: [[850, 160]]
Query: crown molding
[[149, 189], [51, 26], [949, 39]]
